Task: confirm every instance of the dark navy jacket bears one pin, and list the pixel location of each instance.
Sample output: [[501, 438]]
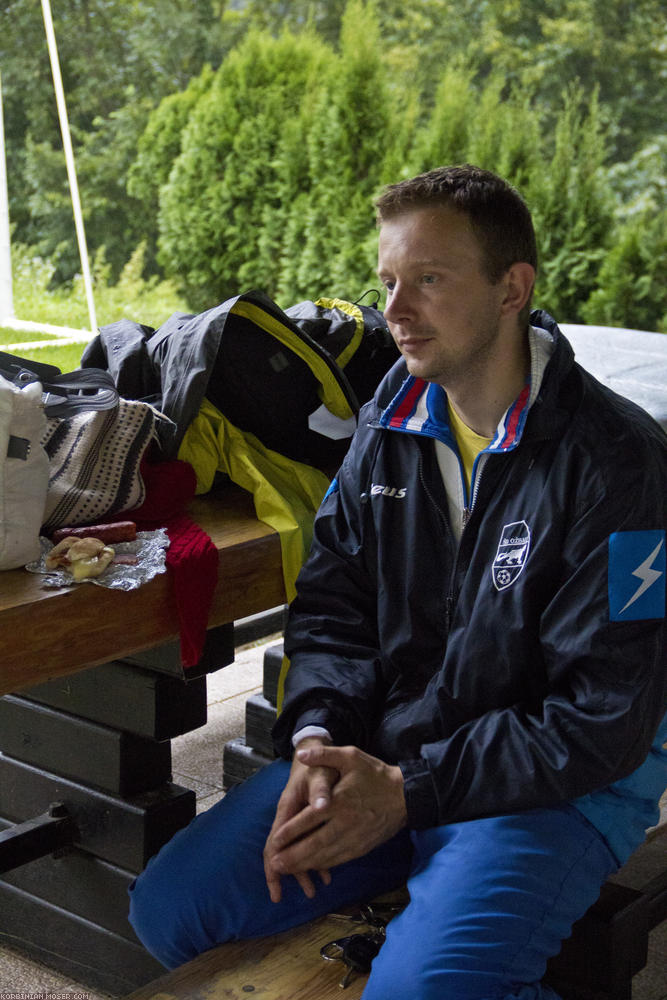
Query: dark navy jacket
[[524, 665]]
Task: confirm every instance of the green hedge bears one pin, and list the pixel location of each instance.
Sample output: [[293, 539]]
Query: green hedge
[[283, 148]]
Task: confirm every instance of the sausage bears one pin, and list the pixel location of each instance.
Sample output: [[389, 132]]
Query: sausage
[[125, 559], [116, 531]]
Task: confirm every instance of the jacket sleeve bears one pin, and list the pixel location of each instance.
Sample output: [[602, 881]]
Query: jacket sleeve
[[334, 677], [602, 642]]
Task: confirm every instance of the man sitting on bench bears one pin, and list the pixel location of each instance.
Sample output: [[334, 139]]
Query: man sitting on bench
[[477, 688]]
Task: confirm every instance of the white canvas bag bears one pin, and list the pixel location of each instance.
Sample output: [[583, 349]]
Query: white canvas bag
[[24, 472]]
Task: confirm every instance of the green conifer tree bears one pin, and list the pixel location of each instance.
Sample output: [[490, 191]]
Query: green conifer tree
[[572, 205], [632, 291], [223, 186], [331, 246], [160, 143]]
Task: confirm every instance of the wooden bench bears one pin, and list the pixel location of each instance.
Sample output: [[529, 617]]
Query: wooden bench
[[607, 948], [287, 966]]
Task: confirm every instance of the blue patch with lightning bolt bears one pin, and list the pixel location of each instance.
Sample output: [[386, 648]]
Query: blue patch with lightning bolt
[[637, 574]]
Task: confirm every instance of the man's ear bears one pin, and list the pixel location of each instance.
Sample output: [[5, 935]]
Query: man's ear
[[519, 282]]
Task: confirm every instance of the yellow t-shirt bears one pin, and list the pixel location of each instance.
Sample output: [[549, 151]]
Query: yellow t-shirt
[[469, 443]]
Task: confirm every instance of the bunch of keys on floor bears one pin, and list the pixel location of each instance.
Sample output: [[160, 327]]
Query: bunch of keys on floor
[[357, 951]]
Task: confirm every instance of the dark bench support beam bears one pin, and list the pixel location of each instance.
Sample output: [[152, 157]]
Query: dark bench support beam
[[46, 834]]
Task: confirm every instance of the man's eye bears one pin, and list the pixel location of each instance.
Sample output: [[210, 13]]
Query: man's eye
[[428, 279]]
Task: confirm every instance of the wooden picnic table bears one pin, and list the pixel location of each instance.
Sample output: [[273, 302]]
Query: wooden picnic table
[[46, 632], [93, 691]]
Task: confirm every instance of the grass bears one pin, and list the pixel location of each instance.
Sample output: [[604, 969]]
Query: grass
[[67, 357], [146, 301], [9, 336]]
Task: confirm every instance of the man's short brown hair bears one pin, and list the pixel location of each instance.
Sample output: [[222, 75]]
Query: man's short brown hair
[[499, 217]]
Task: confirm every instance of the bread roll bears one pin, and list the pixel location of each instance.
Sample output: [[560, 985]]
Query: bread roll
[[82, 557], [91, 565]]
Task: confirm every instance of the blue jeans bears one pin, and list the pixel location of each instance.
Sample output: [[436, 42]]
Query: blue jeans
[[490, 899]]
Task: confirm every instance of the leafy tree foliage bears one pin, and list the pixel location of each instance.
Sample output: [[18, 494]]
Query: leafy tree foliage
[[560, 175], [242, 142], [631, 284], [273, 16], [573, 210], [614, 47], [278, 165], [223, 188], [118, 59], [160, 143], [346, 142], [157, 148]]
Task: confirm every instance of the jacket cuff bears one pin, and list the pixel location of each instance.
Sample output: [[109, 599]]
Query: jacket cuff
[[306, 731], [284, 729], [420, 797]]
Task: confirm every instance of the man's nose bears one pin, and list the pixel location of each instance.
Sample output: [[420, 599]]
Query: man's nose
[[399, 304]]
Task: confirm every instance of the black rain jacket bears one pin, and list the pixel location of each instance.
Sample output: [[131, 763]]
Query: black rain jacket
[[489, 669]]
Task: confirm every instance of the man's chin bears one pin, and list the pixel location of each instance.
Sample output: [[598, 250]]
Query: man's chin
[[421, 369]]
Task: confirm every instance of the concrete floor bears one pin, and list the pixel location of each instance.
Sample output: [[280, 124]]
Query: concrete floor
[[197, 764]]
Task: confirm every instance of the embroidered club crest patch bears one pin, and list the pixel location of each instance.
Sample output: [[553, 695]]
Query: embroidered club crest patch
[[512, 554]]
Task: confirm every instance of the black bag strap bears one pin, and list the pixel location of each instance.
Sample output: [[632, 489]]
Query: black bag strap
[[63, 395]]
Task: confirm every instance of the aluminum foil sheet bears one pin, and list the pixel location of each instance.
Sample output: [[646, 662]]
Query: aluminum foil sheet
[[149, 547]]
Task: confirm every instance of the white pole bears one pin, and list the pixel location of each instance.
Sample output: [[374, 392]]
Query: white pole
[[6, 298], [69, 159]]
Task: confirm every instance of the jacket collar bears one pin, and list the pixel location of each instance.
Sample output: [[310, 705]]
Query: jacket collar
[[420, 407]]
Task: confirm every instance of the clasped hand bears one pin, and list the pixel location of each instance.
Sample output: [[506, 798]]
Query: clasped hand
[[338, 804]]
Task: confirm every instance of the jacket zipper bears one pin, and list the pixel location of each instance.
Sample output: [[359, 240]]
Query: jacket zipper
[[445, 526], [466, 515], [429, 494], [467, 511]]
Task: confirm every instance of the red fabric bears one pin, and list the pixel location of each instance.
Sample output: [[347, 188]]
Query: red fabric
[[192, 558]]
